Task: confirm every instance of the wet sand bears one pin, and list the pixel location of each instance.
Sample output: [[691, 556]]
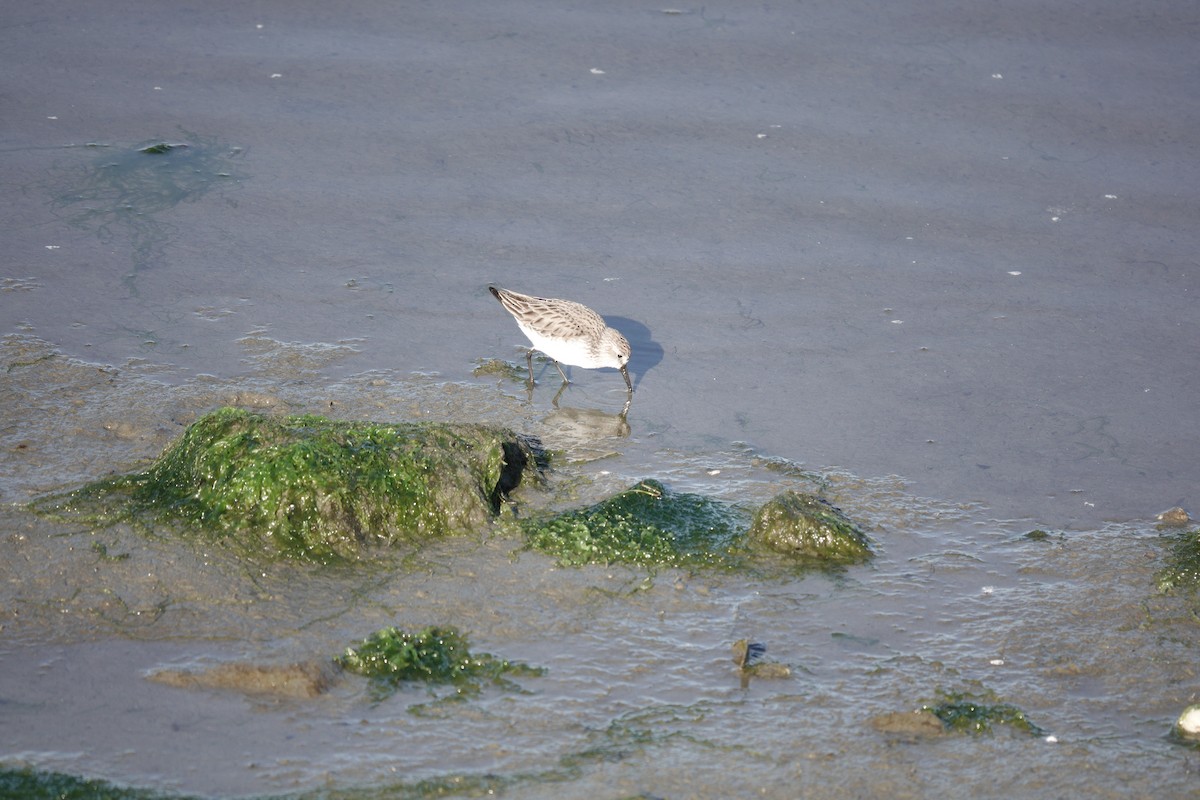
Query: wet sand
[[811, 217]]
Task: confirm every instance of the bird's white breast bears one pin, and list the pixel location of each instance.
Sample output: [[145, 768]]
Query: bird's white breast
[[576, 351]]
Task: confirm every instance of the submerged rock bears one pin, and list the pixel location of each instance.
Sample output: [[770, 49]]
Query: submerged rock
[[646, 524], [807, 526], [302, 680], [1173, 518], [911, 726], [315, 488]]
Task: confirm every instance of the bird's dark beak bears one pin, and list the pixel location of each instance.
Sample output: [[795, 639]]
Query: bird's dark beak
[[625, 375]]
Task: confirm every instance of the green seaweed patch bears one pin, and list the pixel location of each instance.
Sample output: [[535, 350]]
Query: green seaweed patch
[[646, 525], [808, 527], [313, 488], [391, 657], [1183, 563], [966, 715], [126, 190], [31, 784]]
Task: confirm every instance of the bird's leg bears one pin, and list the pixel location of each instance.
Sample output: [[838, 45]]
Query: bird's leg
[[558, 395], [560, 372], [529, 364]]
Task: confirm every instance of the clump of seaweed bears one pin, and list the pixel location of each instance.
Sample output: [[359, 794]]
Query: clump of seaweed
[[960, 713], [313, 488], [391, 657], [646, 525]]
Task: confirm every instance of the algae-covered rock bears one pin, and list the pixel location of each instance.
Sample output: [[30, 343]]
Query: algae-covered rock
[[311, 487], [647, 525], [1182, 570], [807, 526], [390, 657]]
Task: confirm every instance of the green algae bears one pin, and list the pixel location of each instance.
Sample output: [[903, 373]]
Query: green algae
[[966, 715], [649, 525], [129, 191], [30, 784], [313, 488], [391, 657], [645, 525], [810, 528], [1182, 571]]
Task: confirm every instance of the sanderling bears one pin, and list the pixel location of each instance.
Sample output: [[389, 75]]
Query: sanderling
[[568, 332]]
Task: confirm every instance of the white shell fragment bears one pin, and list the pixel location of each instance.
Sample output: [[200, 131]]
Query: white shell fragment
[[1189, 721]]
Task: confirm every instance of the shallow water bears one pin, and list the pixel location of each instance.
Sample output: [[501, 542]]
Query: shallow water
[[935, 261], [641, 693]]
